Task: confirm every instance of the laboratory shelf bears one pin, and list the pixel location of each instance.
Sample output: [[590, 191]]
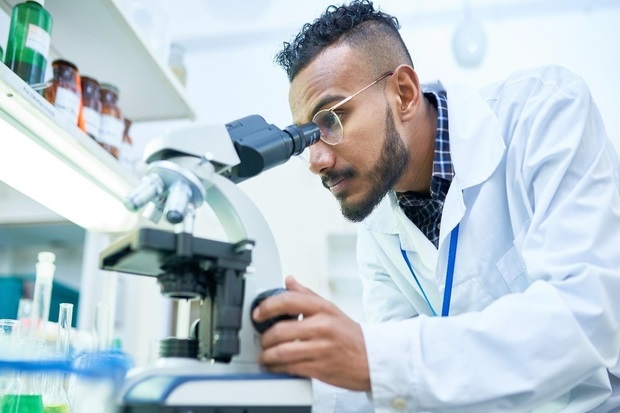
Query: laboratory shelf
[[32, 112], [96, 35], [29, 124]]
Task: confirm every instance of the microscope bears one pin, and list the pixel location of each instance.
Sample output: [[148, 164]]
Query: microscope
[[216, 368]]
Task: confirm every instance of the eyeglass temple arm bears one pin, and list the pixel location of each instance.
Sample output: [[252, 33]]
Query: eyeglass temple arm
[[342, 102]]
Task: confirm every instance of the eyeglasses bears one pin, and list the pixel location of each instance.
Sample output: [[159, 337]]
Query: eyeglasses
[[329, 122]]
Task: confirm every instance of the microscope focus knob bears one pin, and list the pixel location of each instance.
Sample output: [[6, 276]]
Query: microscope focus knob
[[265, 325]]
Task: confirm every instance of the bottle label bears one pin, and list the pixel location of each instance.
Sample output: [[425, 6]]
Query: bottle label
[[126, 154], [38, 40], [111, 131], [67, 103], [92, 119]]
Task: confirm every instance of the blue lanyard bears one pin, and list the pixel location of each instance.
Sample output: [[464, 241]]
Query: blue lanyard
[[447, 293]]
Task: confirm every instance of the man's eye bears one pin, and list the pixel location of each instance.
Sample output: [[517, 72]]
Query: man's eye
[[331, 119]]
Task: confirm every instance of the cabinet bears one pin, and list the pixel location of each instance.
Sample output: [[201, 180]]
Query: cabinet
[[97, 36]]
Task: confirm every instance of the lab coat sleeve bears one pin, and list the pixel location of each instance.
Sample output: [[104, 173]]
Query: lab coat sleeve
[[526, 349]]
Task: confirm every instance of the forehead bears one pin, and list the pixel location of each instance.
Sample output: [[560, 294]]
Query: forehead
[[334, 73]]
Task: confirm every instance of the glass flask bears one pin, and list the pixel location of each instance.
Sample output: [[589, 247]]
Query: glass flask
[[23, 393], [55, 398]]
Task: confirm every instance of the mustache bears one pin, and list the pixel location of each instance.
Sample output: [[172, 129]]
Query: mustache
[[330, 179]]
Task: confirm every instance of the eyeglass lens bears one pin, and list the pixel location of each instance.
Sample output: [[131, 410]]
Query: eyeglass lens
[[330, 126]]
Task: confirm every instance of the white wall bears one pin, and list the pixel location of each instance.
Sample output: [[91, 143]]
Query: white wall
[[230, 77]]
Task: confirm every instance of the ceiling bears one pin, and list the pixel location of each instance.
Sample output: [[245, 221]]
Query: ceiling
[[204, 24]]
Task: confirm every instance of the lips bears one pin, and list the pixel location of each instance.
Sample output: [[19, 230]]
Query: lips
[[332, 183], [336, 182], [339, 187]]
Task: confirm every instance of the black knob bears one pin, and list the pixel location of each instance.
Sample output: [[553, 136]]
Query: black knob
[[263, 326]]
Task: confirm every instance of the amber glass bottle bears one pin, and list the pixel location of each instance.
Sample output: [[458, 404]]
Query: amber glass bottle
[[91, 106], [64, 93], [112, 126]]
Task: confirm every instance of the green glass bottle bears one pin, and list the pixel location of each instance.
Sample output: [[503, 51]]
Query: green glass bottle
[[29, 41]]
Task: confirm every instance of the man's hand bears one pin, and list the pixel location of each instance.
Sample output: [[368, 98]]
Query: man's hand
[[325, 344]]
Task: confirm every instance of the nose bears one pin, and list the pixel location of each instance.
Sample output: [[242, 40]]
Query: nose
[[321, 158]]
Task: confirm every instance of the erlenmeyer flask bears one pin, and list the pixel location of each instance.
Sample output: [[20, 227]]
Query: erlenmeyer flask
[[55, 398], [24, 392]]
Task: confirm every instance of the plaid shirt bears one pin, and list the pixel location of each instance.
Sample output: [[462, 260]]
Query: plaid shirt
[[422, 210]]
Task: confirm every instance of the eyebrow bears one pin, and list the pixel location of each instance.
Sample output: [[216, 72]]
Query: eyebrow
[[325, 101]]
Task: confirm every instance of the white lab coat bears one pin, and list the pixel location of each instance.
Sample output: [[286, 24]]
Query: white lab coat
[[534, 320]]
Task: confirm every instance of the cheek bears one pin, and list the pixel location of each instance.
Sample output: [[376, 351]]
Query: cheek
[[363, 141]]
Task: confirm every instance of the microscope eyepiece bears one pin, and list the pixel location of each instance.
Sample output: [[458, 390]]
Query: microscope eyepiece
[[303, 136]]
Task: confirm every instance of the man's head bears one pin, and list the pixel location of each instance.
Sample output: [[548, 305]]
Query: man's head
[[341, 53], [358, 25]]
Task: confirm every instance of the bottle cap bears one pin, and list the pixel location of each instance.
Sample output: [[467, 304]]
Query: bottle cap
[[46, 256], [108, 86], [45, 268]]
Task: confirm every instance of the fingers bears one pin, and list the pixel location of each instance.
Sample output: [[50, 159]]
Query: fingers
[[293, 330], [288, 352], [291, 302], [293, 285]]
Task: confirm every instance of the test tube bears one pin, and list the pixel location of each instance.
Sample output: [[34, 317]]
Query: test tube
[[63, 340]]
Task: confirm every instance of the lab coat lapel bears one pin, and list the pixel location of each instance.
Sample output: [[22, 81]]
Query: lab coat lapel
[[476, 149]]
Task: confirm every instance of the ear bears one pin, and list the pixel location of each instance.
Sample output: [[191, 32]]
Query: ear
[[408, 92]]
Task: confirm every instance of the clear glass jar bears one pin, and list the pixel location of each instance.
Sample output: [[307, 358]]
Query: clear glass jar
[[112, 126], [64, 92], [91, 106]]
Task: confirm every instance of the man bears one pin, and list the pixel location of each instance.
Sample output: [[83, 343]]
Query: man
[[489, 243]]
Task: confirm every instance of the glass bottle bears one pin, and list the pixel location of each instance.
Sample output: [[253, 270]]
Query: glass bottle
[[112, 126], [64, 92], [91, 106], [29, 41], [126, 156]]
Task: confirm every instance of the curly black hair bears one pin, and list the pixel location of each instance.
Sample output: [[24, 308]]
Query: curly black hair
[[357, 24]]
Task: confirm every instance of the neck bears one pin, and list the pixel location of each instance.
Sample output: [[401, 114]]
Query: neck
[[421, 145]]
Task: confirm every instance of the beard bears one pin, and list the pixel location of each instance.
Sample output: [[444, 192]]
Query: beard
[[383, 176]]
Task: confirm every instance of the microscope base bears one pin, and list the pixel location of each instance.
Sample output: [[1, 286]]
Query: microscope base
[[202, 387], [217, 409]]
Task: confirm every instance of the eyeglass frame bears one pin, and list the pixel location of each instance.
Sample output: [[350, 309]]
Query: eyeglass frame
[[342, 102]]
